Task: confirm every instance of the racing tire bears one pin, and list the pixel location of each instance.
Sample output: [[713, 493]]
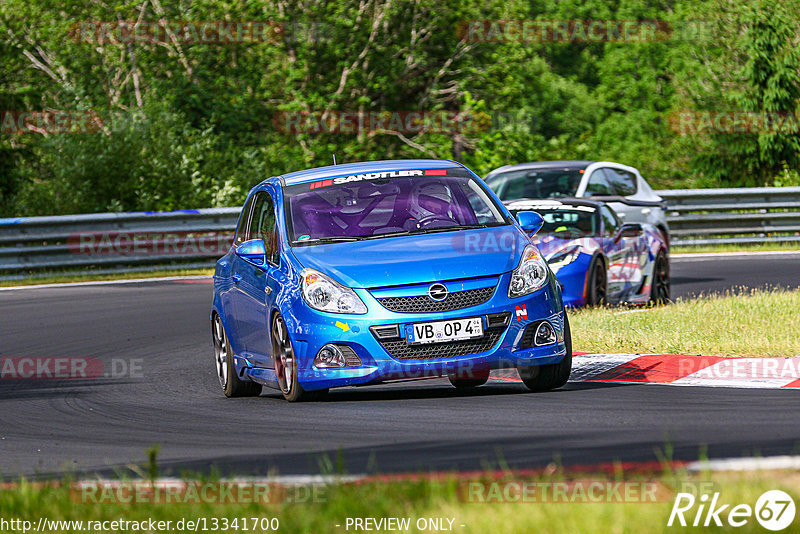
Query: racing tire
[[597, 283], [660, 286], [286, 365], [547, 377], [470, 379], [231, 384]]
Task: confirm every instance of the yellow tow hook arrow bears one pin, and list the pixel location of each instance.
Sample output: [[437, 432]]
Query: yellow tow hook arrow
[[344, 326]]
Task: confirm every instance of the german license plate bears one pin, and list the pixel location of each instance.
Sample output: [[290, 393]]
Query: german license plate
[[441, 331]]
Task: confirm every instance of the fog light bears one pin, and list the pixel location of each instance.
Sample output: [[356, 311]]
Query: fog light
[[329, 356], [545, 335]]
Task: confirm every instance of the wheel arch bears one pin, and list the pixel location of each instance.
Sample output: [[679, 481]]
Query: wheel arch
[[665, 233]]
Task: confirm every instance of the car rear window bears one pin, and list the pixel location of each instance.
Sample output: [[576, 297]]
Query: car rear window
[[535, 183], [623, 182]]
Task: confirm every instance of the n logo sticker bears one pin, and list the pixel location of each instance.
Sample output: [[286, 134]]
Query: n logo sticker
[[522, 312]]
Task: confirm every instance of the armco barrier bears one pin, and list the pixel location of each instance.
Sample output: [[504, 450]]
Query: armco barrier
[[115, 240], [730, 216], [157, 240]]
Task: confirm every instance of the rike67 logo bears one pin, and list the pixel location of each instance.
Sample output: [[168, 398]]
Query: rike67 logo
[[774, 510]]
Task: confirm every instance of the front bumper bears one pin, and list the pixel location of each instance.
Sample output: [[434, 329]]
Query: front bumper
[[573, 280], [503, 345]]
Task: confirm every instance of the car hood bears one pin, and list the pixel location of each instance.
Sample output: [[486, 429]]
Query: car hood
[[417, 259]]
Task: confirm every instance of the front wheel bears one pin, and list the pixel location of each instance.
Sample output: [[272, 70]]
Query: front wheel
[[286, 365], [597, 283], [547, 377], [231, 384], [660, 287]]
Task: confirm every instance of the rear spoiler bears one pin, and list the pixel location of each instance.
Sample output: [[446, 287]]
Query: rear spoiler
[[629, 202]]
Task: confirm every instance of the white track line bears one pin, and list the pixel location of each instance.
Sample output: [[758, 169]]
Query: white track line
[[747, 464], [108, 282], [674, 257], [723, 464], [731, 255]]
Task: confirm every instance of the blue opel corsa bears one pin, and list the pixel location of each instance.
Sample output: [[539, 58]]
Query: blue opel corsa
[[370, 272]]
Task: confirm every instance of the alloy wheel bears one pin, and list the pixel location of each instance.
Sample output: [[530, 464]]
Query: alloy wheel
[[661, 280], [221, 351], [283, 356]]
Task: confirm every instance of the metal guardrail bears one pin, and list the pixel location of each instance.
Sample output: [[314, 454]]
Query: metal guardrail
[[191, 238], [148, 240], [733, 216]]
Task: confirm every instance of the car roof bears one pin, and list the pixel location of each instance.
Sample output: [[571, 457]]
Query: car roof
[[345, 169], [554, 201], [565, 164]]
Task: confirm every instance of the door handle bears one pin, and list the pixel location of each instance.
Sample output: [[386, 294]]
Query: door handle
[[268, 290], [236, 278]]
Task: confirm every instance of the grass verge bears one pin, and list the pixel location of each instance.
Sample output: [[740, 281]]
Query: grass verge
[[444, 499], [758, 323], [65, 278]]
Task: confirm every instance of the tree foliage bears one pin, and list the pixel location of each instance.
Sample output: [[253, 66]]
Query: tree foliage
[[191, 124]]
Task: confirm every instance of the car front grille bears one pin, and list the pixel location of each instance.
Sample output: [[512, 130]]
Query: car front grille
[[527, 338], [425, 304], [401, 350], [350, 357]]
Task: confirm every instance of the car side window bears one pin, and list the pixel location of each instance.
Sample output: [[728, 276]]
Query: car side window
[[623, 182], [610, 222], [263, 225], [244, 220], [598, 184]]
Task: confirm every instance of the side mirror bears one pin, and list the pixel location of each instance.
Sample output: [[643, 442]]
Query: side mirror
[[253, 252], [629, 230], [530, 221]]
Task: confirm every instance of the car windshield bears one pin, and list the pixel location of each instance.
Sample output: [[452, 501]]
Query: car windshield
[[564, 221], [535, 183], [386, 204]]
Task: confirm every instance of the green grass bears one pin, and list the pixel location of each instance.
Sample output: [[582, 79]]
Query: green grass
[[443, 498], [67, 277], [755, 323], [760, 247]]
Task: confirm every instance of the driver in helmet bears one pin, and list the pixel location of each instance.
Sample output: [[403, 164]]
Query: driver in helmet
[[430, 203]]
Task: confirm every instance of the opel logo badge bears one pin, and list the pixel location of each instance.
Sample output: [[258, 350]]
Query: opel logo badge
[[437, 292]]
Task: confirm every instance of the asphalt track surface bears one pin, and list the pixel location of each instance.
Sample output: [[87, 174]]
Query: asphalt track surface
[[106, 425]]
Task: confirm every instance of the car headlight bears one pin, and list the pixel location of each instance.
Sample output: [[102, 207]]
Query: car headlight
[[563, 258], [324, 294], [530, 275]]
